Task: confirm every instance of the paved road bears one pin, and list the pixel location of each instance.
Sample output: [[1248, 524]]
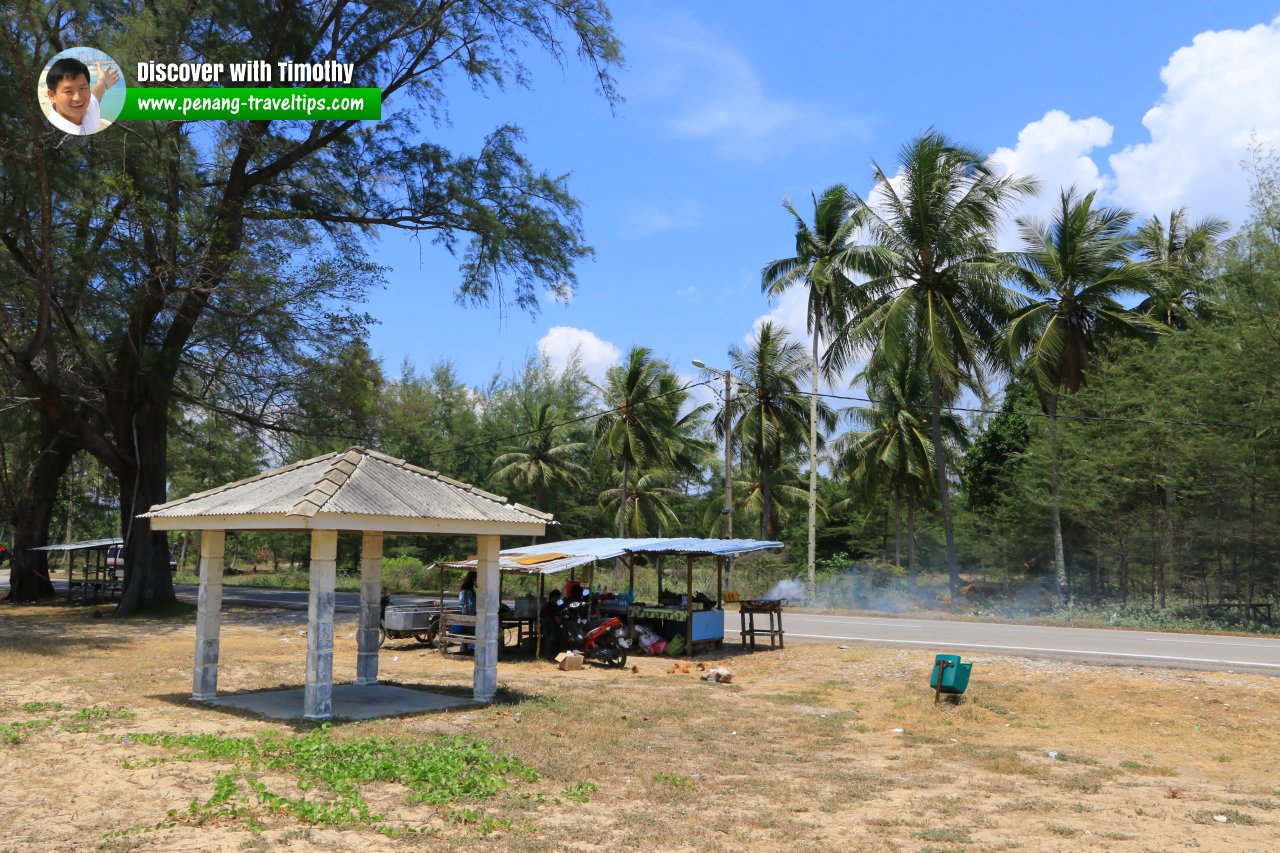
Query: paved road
[[1145, 648], [1148, 648]]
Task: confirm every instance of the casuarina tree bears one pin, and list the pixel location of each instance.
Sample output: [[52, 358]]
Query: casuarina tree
[[133, 253]]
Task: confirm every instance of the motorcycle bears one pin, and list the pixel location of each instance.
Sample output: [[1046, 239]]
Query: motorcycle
[[603, 640]]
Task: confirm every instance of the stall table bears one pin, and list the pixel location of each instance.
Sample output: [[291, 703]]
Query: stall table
[[705, 628]]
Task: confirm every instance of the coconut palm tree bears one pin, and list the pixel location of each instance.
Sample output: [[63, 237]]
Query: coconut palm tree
[[649, 511], [1181, 256], [893, 452], [823, 263], [542, 460], [639, 430], [1075, 268], [687, 447], [935, 281], [769, 414], [784, 486]]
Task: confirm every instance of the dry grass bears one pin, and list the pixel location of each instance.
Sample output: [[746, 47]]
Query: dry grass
[[811, 745]]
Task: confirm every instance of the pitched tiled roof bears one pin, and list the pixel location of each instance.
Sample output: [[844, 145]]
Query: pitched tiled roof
[[354, 482]]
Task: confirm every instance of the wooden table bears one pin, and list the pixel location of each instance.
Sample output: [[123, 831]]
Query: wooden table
[[453, 643], [748, 612]]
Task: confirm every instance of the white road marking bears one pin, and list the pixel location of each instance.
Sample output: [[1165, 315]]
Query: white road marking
[[1261, 644], [1130, 656]]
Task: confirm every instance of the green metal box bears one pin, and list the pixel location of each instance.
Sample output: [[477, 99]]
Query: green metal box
[[949, 675]]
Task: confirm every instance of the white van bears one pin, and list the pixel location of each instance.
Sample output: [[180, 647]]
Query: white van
[[115, 562]]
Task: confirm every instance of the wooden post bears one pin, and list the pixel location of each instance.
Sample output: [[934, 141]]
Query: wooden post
[[209, 614], [370, 608], [719, 583], [688, 611], [542, 595], [317, 694]]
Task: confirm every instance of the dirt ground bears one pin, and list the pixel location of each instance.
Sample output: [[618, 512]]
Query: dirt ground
[[814, 745]]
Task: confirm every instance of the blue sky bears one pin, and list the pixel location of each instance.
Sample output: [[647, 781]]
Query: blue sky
[[733, 106]]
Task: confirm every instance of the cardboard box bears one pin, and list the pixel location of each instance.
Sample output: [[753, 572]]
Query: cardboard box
[[569, 661]]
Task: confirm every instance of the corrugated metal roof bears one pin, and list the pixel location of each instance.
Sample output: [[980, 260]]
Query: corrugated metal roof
[[354, 482], [578, 552], [90, 545]]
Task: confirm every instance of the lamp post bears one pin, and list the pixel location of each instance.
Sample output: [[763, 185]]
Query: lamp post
[[727, 512]]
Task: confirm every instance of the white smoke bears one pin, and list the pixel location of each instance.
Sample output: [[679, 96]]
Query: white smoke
[[792, 590]]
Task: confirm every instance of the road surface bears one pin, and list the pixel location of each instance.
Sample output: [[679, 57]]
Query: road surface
[[1147, 648], [1142, 648]]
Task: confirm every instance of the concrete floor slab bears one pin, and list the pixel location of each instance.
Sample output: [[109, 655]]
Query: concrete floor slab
[[350, 702]]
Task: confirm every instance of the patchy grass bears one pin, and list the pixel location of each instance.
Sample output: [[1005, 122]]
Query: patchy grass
[[437, 771], [808, 746]]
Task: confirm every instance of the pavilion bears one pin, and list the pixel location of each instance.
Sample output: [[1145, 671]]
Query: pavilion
[[355, 491]]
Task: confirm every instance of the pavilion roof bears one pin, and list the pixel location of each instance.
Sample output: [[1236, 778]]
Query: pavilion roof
[[356, 489]]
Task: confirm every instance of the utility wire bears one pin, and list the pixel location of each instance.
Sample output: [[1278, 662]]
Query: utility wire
[[1099, 418], [569, 422], [849, 397]]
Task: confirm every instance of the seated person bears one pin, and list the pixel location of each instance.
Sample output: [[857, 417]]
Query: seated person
[[77, 106], [547, 622]]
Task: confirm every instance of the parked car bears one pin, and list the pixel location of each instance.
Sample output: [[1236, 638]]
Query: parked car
[[115, 562]]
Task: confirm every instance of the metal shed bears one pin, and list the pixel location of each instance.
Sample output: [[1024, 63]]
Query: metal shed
[[549, 558], [357, 490]]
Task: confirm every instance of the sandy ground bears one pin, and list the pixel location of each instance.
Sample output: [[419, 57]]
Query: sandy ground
[[815, 745]]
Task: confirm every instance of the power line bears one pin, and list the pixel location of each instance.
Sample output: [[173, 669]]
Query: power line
[[1098, 418], [849, 397], [569, 422]]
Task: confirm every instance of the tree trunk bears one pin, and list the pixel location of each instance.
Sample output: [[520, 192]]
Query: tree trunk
[[32, 508], [766, 505], [813, 474], [911, 543], [147, 581], [944, 492], [897, 524], [626, 475], [1253, 539], [1171, 556], [1059, 559]]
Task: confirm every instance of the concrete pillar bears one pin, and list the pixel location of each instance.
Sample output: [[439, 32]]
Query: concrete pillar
[[370, 610], [213, 544], [485, 680], [317, 696]]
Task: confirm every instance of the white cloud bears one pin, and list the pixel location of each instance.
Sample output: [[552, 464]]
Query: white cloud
[[1055, 149], [562, 343], [711, 92], [790, 311], [1219, 90]]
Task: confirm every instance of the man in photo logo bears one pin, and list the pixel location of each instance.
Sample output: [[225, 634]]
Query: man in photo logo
[[76, 105]]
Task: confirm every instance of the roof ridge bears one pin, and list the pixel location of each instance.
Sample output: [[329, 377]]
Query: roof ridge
[[263, 475], [335, 476]]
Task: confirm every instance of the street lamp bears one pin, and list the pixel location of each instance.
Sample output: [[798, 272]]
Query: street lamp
[[727, 512]]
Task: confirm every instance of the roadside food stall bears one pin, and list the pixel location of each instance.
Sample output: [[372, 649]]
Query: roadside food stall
[[90, 574], [683, 611]]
